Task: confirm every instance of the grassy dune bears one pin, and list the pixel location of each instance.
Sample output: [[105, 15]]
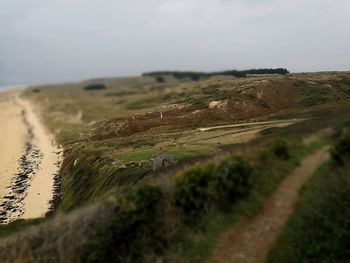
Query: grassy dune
[[109, 135]]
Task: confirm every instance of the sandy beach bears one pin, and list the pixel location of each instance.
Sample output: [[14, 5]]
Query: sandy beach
[[29, 160]]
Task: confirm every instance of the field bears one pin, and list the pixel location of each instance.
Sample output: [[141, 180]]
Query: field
[[114, 130]]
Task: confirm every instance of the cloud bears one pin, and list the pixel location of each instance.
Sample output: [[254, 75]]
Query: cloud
[[61, 40]]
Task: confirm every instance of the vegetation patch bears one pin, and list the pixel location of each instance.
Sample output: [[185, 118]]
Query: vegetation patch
[[123, 238], [319, 229], [93, 87], [235, 73], [200, 188]]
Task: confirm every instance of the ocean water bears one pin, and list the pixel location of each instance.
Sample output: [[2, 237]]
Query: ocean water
[[3, 88], [9, 87]]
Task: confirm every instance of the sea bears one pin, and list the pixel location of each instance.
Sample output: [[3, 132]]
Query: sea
[[9, 87]]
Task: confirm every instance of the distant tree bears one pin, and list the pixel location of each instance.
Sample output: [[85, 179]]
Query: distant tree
[[195, 77], [160, 79], [95, 87], [239, 74]]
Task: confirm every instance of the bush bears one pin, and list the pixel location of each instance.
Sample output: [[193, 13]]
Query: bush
[[160, 79], [341, 150], [195, 78], [200, 188], [233, 179], [36, 90], [95, 87], [139, 205], [264, 155], [132, 230], [280, 149], [194, 189]]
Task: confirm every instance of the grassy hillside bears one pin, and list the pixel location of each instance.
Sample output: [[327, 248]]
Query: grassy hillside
[[110, 133], [115, 204], [178, 221]]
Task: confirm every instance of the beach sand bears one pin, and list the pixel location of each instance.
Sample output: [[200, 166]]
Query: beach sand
[[12, 138], [29, 160]]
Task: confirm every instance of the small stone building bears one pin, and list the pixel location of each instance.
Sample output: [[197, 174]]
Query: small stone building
[[160, 161]]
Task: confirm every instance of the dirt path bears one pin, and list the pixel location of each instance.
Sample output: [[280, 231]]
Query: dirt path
[[250, 241], [249, 124]]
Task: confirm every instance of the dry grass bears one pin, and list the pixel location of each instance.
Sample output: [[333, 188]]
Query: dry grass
[[61, 239]]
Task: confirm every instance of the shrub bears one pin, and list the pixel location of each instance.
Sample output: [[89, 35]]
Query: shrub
[[95, 87], [139, 205], [341, 150], [280, 149], [36, 90], [194, 189], [160, 79], [264, 155], [233, 179], [195, 77], [131, 231], [202, 187]]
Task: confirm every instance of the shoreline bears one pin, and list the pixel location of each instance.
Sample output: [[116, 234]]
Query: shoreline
[[34, 188]]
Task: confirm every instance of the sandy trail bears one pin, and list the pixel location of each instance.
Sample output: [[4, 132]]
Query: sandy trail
[[251, 240], [235, 133], [28, 161]]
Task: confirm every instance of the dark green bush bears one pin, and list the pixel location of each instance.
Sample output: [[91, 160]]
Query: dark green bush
[[195, 78], [264, 154], [95, 87], [233, 179], [160, 79], [200, 188], [132, 230], [36, 90], [194, 189], [139, 205], [341, 150], [280, 149]]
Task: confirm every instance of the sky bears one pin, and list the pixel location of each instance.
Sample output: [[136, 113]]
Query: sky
[[45, 41]]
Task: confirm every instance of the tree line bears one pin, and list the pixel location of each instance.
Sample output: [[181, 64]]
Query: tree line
[[197, 75]]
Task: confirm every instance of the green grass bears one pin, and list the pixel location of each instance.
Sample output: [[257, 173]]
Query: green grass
[[318, 230], [144, 155], [316, 95], [181, 152], [202, 237], [89, 175]]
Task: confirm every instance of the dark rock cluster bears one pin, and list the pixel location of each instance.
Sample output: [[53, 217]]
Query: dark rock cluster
[[11, 205], [57, 195]]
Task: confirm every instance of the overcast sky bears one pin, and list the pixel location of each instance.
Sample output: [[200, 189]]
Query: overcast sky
[[63, 40]]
